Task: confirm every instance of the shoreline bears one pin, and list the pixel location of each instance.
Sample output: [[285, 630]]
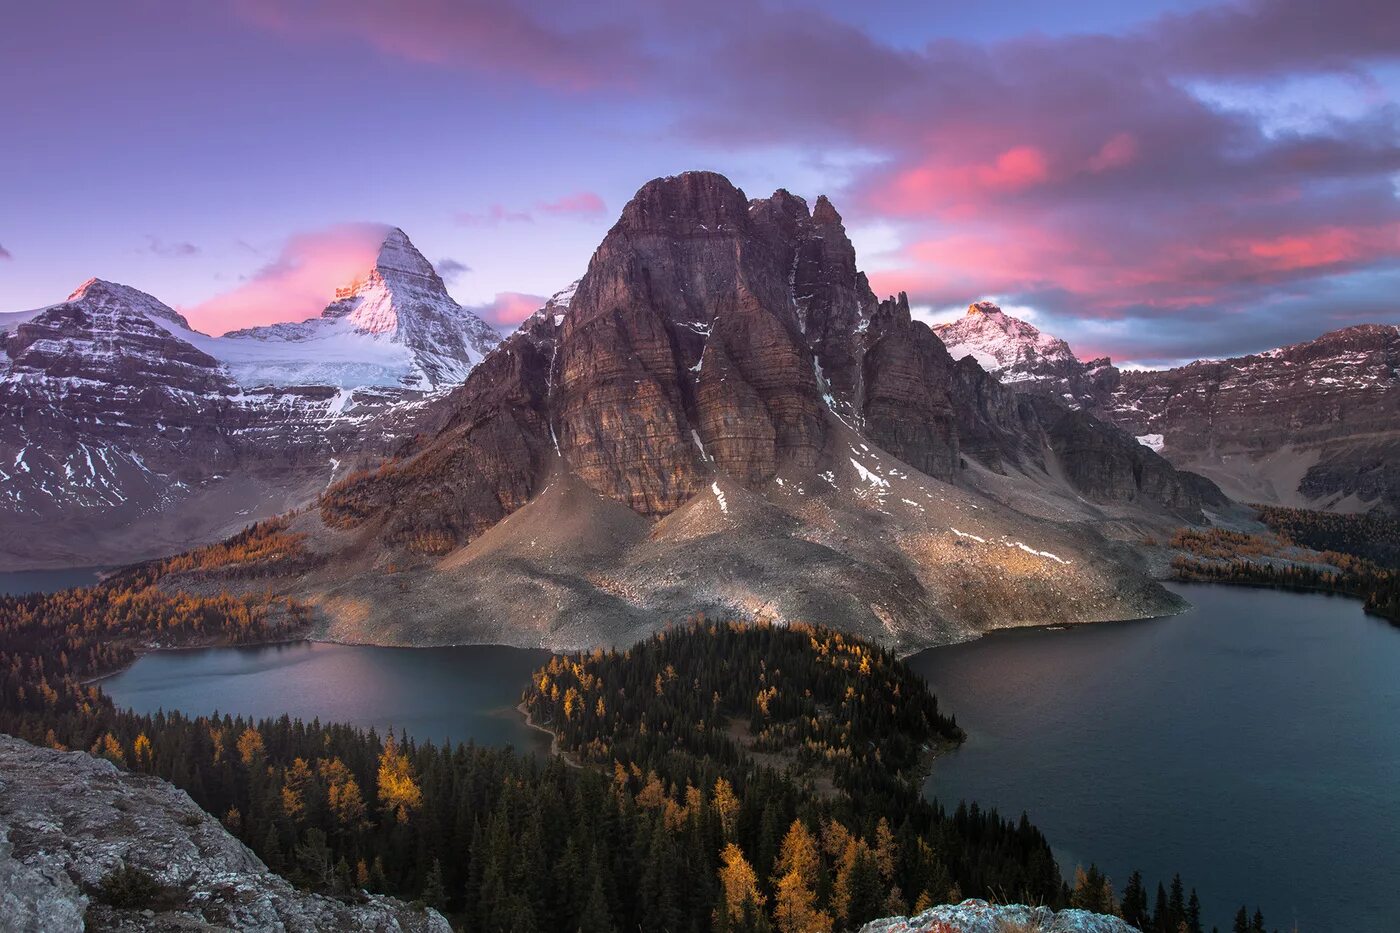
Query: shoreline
[[554, 748]]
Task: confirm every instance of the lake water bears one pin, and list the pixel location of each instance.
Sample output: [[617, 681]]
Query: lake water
[[47, 581], [432, 693], [1252, 744]]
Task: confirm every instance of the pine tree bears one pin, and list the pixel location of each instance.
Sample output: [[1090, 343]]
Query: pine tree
[[434, 891], [1193, 913]]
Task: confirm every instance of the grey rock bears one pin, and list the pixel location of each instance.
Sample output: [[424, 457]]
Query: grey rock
[[977, 916], [69, 819]]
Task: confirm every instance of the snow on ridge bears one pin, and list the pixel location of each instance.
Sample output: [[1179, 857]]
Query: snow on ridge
[[1153, 441], [1001, 344]]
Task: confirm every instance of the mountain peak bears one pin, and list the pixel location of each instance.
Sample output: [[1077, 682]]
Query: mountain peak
[[105, 294], [824, 212], [398, 255], [1005, 346]]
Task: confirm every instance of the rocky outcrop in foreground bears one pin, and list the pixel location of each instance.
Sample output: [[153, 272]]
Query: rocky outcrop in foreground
[[974, 916], [67, 820]]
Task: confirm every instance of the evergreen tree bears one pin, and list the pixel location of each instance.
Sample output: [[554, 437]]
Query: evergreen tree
[[434, 891], [1135, 901]]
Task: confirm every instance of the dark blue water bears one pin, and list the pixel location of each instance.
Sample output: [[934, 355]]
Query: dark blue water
[[1252, 744], [432, 693], [47, 581]]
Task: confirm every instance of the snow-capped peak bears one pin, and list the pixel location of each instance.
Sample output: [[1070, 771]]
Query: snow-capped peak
[[1003, 345], [100, 293], [394, 325]]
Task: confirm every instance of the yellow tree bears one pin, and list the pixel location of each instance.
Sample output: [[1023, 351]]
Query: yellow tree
[[795, 909], [727, 806], [143, 753], [738, 880], [795, 881], [250, 746], [343, 795], [398, 790], [294, 785]]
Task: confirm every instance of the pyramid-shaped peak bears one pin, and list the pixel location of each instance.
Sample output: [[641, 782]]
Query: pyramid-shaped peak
[[397, 254], [984, 307], [114, 295], [825, 212]]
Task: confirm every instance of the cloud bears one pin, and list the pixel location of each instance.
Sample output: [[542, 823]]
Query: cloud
[[158, 247], [493, 216], [450, 269], [6, 254], [299, 283], [584, 205], [1152, 177], [555, 50], [1082, 174], [508, 309]]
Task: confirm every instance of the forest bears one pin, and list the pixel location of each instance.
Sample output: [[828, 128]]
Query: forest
[[718, 776], [1303, 550]]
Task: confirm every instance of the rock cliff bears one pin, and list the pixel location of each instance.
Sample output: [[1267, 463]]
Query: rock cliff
[[720, 416], [1313, 424], [975, 916], [68, 820]]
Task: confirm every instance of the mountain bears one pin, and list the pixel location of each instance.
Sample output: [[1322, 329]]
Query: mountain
[[1315, 424], [1021, 356], [721, 416], [394, 326], [124, 433]]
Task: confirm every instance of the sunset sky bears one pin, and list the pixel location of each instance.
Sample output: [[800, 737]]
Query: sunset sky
[[1152, 180]]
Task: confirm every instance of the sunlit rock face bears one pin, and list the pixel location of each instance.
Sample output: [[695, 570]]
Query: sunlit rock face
[[720, 416]]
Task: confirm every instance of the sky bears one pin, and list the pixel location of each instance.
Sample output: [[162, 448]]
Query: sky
[[1155, 181]]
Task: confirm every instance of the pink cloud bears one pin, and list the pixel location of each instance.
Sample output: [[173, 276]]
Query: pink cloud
[[508, 309], [298, 284], [936, 184], [556, 51], [583, 204], [1118, 151], [493, 216]]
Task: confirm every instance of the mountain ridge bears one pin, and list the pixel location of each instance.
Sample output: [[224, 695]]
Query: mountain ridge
[[725, 419], [125, 433], [1315, 423]]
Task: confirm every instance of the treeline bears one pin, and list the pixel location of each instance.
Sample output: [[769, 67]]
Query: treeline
[[1370, 536], [1216, 555], [263, 548], [733, 778]]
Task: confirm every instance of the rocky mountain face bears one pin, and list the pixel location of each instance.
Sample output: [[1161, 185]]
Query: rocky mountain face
[[67, 820], [721, 415], [1019, 355], [1315, 424], [124, 433]]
